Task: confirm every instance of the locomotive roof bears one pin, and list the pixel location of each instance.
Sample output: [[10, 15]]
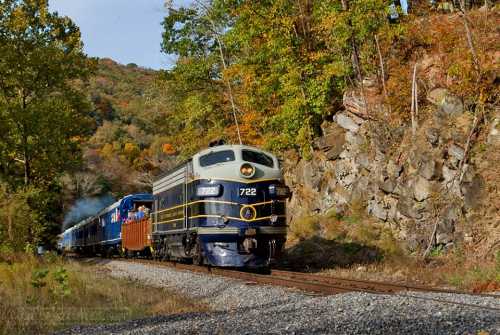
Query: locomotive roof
[[230, 147], [230, 170], [208, 150]]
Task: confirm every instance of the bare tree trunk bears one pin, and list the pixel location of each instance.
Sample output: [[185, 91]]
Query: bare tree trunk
[[382, 69], [229, 88], [10, 226], [470, 40], [414, 102], [223, 61], [468, 144], [355, 53], [27, 167], [431, 240]]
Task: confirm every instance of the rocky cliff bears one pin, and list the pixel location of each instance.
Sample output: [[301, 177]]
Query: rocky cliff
[[436, 187]]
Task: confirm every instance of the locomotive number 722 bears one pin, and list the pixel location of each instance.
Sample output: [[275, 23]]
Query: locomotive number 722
[[248, 191]]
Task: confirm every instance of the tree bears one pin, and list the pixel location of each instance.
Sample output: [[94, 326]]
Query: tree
[[18, 223], [287, 63], [43, 118], [201, 94]]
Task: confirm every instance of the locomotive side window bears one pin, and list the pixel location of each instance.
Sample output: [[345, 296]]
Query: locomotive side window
[[257, 157], [217, 157]]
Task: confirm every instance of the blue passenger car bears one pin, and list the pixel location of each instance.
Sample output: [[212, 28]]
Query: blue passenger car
[[101, 233], [223, 207]]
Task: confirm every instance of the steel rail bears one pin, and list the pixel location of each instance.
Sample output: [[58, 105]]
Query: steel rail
[[379, 286], [324, 285]]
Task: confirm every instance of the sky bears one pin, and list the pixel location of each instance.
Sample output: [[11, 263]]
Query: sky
[[128, 31]]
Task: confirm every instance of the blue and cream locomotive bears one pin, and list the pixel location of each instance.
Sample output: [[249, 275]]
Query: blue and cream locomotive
[[224, 207]]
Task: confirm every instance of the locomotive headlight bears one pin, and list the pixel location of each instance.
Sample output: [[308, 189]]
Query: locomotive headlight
[[208, 191], [247, 170], [279, 191]]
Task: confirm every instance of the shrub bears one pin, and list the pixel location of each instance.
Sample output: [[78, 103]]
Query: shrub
[[37, 297], [305, 227]]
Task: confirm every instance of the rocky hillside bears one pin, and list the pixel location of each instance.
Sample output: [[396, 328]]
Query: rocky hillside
[[436, 184], [426, 189]]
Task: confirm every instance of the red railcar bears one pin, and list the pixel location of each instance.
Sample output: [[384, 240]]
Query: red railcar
[[136, 235]]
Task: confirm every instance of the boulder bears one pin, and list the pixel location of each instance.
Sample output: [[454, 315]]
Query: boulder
[[353, 139], [407, 208], [377, 210], [432, 135], [363, 161], [353, 102], [473, 192], [392, 212], [445, 101], [344, 173], [468, 173], [456, 152], [388, 185], [347, 123], [403, 190], [422, 189], [448, 173], [327, 141], [311, 176], [450, 216], [333, 136], [335, 151], [444, 238], [427, 169], [341, 196], [361, 188], [494, 135], [356, 118], [412, 242], [393, 169]]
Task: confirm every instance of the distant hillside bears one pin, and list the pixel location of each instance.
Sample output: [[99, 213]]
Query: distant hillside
[[126, 147], [116, 89]]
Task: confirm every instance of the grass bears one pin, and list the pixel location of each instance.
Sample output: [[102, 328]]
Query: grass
[[356, 246], [441, 271], [39, 296], [355, 230], [331, 240]]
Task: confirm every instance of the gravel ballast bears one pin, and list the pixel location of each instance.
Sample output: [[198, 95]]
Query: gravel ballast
[[239, 308]]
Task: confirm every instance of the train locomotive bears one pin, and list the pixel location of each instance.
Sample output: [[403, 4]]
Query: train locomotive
[[225, 206]]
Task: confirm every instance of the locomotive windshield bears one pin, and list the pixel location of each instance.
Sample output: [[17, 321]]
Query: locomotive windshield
[[257, 157], [217, 157]]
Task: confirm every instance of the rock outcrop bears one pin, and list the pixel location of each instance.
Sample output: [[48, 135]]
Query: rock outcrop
[[410, 182]]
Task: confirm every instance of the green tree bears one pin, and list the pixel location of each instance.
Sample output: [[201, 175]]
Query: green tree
[[201, 98], [43, 118], [19, 224], [287, 61]]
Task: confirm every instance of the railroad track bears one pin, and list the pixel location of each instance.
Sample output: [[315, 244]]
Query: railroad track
[[324, 285]]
